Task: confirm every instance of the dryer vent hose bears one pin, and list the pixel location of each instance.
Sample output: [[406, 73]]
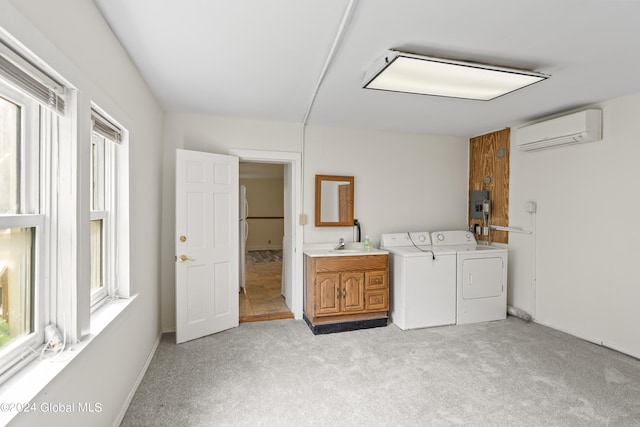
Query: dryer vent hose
[[520, 314]]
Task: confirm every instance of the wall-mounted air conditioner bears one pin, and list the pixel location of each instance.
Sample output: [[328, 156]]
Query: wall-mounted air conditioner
[[575, 128]]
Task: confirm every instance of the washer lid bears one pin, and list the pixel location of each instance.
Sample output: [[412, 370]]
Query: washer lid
[[421, 251], [411, 251], [415, 243]]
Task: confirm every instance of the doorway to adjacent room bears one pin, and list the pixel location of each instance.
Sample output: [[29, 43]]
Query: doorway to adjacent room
[[262, 297]]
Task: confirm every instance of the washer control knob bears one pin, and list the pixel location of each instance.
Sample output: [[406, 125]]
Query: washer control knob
[[422, 238]]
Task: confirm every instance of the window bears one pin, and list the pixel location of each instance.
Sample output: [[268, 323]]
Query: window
[[31, 107], [21, 223], [59, 257], [105, 139]]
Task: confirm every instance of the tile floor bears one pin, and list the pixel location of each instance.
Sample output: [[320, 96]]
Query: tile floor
[[262, 299]]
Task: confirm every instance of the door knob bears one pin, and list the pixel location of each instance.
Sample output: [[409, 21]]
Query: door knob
[[184, 258]]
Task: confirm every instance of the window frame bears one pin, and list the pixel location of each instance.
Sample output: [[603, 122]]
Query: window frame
[[51, 126], [100, 213], [32, 213], [109, 191], [62, 247]]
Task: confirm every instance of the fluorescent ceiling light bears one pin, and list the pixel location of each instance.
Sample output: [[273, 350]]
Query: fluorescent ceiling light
[[404, 72]]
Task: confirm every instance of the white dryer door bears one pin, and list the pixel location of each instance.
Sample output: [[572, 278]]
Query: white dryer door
[[482, 278]]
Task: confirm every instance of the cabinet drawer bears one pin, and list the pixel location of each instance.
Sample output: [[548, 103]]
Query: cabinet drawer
[[377, 300], [347, 263], [376, 280]]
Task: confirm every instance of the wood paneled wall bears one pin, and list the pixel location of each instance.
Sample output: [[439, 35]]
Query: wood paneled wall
[[485, 161]]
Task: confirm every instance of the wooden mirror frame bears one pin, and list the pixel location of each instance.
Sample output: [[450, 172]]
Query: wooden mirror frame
[[345, 218]]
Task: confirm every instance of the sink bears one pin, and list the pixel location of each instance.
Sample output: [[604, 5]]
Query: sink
[[356, 246], [324, 250]]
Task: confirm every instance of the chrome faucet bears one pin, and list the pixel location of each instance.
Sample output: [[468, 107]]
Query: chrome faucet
[[341, 245]]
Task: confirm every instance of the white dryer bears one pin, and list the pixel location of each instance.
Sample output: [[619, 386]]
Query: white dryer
[[423, 281], [481, 277]]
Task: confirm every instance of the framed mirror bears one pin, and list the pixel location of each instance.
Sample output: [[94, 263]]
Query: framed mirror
[[334, 201]]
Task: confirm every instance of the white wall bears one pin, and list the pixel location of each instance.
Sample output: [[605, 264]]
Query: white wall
[[402, 182], [586, 228], [72, 37], [265, 197]]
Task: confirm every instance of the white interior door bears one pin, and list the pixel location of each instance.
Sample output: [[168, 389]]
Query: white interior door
[[207, 248]]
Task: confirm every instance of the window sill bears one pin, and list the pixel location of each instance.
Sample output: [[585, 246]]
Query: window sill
[[24, 386]]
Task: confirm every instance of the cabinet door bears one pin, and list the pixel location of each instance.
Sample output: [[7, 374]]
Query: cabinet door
[[352, 292], [327, 294]]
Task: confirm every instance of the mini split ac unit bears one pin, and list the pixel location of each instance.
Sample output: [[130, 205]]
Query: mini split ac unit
[[576, 128]]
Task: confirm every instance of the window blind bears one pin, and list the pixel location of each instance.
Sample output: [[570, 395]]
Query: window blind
[[104, 127], [31, 79]]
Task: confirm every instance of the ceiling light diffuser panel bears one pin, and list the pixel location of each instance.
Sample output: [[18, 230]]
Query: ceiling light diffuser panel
[[404, 72]]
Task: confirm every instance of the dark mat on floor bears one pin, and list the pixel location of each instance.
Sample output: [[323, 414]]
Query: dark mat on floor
[[265, 256]]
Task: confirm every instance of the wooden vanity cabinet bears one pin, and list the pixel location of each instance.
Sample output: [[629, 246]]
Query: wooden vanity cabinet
[[346, 289]]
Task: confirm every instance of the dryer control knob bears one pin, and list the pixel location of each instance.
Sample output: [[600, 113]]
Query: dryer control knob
[[440, 237]]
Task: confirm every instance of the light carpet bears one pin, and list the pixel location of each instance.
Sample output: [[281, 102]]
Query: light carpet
[[505, 373]]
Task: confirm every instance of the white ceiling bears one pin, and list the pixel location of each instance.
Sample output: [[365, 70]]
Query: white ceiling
[[261, 60]]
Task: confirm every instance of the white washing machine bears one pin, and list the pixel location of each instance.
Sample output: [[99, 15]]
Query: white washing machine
[[423, 281], [481, 277]]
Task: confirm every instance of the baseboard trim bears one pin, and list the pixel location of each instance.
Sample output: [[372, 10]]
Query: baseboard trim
[[129, 398], [597, 341]]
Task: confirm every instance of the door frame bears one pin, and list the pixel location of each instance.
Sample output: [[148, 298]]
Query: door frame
[[294, 271]]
